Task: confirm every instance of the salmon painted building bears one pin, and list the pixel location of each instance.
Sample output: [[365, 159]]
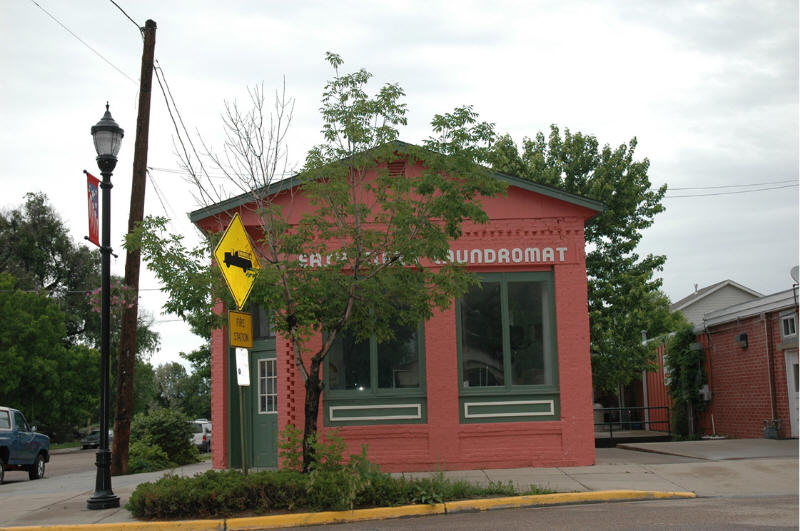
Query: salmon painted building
[[500, 379]]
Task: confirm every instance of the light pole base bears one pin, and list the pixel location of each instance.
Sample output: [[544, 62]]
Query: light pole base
[[104, 497], [103, 501]]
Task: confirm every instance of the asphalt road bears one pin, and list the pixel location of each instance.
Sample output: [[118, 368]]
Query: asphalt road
[[60, 464], [776, 512]]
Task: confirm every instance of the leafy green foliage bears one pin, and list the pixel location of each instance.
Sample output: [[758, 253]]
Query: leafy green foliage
[[38, 368], [623, 292], [53, 284], [685, 362], [35, 247], [333, 485], [179, 390], [373, 227], [146, 457], [169, 430]]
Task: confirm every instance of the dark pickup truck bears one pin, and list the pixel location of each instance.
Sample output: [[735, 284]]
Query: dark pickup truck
[[21, 448]]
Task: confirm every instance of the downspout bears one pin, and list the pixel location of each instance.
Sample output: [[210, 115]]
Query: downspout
[[710, 373], [769, 367], [646, 401]]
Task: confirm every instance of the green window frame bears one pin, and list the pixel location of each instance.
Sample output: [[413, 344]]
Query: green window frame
[[507, 350], [362, 389]]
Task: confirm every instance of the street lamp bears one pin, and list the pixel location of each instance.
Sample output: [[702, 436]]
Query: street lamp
[[107, 137]]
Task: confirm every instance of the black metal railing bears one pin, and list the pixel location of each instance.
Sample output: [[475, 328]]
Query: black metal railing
[[609, 419]]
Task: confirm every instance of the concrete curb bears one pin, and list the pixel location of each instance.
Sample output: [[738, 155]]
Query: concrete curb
[[380, 513]]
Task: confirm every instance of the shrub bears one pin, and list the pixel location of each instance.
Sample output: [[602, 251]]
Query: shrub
[[168, 429], [332, 484], [145, 457]]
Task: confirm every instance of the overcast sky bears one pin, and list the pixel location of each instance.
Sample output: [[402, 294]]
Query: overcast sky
[[709, 89]]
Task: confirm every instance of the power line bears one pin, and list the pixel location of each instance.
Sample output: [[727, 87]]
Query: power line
[[98, 54], [138, 26], [159, 73], [733, 185], [731, 193], [210, 176]]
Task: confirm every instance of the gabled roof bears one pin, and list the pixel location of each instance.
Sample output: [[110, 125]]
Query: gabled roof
[[766, 303], [295, 180], [708, 290]]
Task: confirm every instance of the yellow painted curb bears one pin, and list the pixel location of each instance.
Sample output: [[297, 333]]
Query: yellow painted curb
[[333, 517], [380, 513], [562, 498], [181, 525]]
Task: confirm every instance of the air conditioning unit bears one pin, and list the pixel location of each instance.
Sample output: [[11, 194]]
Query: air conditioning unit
[[705, 392]]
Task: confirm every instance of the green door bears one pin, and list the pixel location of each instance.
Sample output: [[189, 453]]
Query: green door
[[264, 409]]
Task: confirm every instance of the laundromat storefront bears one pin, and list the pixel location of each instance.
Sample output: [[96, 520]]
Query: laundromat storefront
[[500, 379]]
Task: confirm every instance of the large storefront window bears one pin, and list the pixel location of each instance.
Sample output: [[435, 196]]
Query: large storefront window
[[507, 348], [396, 362], [376, 383]]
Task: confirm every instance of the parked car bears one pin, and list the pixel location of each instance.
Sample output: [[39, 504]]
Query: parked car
[[21, 448], [201, 434], [92, 439]]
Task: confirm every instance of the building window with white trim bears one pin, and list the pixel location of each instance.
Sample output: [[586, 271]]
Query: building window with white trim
[[788, 326], [267, 386]]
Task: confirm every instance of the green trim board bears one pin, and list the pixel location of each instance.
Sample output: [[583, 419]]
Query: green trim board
[[516, 407], [490, 394], [366, 411], [296, 180]]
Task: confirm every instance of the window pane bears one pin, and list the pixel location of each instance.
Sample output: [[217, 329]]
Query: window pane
[[398, 360], [262, 323], [481, 336], [526, 310], [349, 363]]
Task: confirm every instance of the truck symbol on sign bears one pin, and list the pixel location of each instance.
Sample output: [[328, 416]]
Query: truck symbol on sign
[[239, 259]]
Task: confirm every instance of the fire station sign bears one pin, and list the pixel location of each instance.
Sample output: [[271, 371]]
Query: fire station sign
[[240, 329], [237, 260]]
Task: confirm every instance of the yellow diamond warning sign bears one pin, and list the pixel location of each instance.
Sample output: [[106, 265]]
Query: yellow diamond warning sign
[[237, 260]]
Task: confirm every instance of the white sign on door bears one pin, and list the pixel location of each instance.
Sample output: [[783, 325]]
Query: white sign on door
[[242, 366]]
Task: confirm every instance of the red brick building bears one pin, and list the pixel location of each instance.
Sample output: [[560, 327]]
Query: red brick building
[[501, 379], [752, 368]]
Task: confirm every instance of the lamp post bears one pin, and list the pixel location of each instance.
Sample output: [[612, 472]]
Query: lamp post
[[107, 137]]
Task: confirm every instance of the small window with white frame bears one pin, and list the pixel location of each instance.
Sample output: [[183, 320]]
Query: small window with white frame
[[267, 386], [788, 325]]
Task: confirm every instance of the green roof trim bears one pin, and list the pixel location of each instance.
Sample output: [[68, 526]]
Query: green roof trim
[[511, 180]]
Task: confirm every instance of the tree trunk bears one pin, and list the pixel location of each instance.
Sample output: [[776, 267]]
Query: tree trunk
[[313, 394]]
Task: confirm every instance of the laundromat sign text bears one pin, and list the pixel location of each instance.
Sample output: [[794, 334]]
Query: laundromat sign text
[[503, 255]]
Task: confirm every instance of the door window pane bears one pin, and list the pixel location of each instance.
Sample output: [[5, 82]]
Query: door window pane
[[398, 360], [482, 336], [267, 386], [349, 363], [526, 315]]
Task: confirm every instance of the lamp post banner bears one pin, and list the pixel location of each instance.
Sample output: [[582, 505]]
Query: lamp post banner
[[93, 194]]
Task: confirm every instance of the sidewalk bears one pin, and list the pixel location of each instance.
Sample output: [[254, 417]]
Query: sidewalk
[[707, 468]]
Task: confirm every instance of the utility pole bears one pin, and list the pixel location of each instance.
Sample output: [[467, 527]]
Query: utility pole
[[130, 313]]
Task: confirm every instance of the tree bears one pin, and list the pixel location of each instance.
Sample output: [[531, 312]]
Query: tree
[[170, 389], [198, 403], [38, 253], [376, 226], [623, 292], [39, 369], [178, 389], [35, 247]]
